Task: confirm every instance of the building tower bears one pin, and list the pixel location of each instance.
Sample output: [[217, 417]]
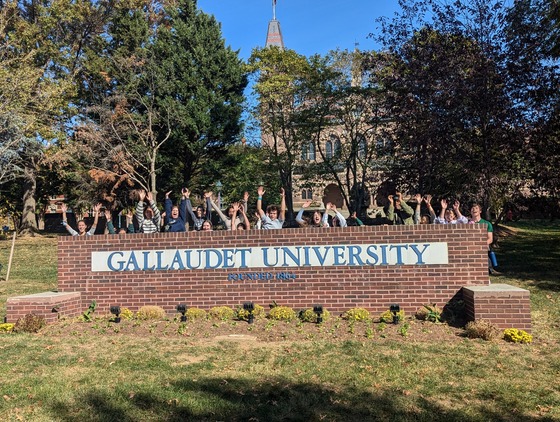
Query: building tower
[[274, 34]]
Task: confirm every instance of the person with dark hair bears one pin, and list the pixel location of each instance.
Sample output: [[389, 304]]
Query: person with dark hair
[[176, 216], [316, 219], [199, 215], [399, 212], [424, 218], [239, 209], [82, 226], [228, 219], [337, 221], [273, 218], [451, 216], [148, 216]]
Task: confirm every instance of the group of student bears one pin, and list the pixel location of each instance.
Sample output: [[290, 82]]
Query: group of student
[[176, 217]]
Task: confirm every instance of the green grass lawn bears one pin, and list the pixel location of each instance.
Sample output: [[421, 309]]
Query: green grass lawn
[[97, 373]]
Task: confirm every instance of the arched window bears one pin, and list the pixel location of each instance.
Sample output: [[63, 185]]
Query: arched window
[[309, 194], [362, 147], [311, 151], [337, 148], [328, 149], [304, 194]]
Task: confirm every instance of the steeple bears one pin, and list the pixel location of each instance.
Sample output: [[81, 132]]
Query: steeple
[[274, 34]]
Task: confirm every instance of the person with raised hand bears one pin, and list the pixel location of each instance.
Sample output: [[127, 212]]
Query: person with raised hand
[[424, 218], [147, 214], [338, 219], [238, 210], [82, 226], [451, 215], [200, 215], [399, 212], [273, 218], [176, 216]]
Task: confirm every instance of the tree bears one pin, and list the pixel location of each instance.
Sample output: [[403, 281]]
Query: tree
[[348, 128], [167, 98], [35, 87], [457, 130], [284, 100]]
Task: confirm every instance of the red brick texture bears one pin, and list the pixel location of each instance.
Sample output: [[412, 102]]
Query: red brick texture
[[504, 305], [50, 305], [338, 288]]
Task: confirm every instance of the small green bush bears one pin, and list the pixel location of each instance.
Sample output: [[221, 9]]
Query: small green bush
[[282, 313], [309, 316], [151, 312], [29, 323], [481, 328], [195, 313], [223, 313], [6, 327], [514, 335], [387, 316], [430, 313], [356, 314], [258, 312]]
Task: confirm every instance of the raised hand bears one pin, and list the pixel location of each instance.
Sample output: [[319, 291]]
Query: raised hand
[[149, 196], [260, 191], [142, 195], [306, 204]]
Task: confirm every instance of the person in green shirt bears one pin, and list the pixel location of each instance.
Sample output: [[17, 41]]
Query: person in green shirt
[[476, 217]]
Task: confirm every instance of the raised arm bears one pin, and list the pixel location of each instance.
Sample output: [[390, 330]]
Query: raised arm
[[428, 200], [235, 207], [405, 207], [108, 218], [244, 214], [341, 220], [260, 193], [443, 204], [69, 229], [460, 217], [418, 199], [140, 207], [153, 205], [299, 216], [96, 210], [283, 205]]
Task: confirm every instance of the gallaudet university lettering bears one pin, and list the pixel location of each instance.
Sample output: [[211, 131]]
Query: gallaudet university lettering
[[271, 257]]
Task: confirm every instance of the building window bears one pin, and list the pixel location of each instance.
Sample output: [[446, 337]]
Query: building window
[[308, 152], [337, 148], [328, 149], [307, 194], [362, 147], [311, 151]]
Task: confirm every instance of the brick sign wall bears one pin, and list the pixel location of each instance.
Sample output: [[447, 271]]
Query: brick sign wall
[[370, 267]]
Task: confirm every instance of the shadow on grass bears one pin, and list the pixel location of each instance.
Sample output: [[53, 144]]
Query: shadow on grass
[[272, 400], [532, 255]]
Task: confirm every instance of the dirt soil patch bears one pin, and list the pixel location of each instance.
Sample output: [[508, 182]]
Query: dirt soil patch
[[262, 330]]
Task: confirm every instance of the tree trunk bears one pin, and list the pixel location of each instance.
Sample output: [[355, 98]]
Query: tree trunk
[[28, 218]]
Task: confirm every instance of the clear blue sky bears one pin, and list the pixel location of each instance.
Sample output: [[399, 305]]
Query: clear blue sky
[[308, 26]]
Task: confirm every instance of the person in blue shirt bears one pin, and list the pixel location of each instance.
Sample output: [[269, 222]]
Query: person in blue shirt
[[176, 216]]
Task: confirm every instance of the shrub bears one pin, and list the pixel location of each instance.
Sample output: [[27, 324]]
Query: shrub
[[258, 312], [6, 327], [195, 313], [88, 313], [223, 313], [481, 328], [151, 312], [517, 336], [282, 313], [430, 313], [387, 316], [29, 323], [356, 314], [126, 313], [309, 316]]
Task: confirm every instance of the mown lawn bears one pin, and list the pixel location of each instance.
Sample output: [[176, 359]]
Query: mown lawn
[[98, 373]]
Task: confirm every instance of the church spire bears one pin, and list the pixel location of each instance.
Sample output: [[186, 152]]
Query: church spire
[[274, 34]]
